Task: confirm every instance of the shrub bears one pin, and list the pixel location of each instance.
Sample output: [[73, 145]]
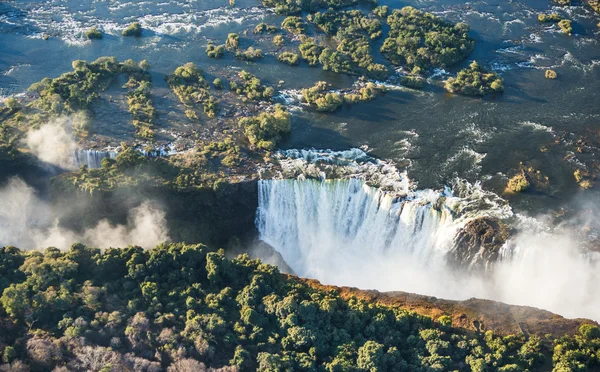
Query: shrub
[[549, 17], [264, 130], [289, 58], [215, 51], [218, 83], [589, 331], [565, 26], [293, 25], [262, 27], [475, 81], [93, 33], [278, 40], [233, 41], [550, 74], [134, 29], [249, 54], [381, 11], [519, 183]]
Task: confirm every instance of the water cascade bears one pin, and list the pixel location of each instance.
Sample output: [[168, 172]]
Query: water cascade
[[91, 158], [347, 219]]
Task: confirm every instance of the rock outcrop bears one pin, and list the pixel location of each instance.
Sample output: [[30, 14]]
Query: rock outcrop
[[477, 245]]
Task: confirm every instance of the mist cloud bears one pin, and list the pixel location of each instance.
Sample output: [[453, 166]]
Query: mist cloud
[[53, 142], [30, 223]]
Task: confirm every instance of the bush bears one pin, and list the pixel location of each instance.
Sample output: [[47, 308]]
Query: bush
[[278, 40], [93, 33], [262, 27], [289, 58], [565, 26], [215, 51], [134, 29], [233, 41], [263, 131], [381, 11], [424, 40], [293, 25], [549, 17], [218, 83], [519, 183], [475, 81], [249, 54], [589, 331], [550, 74]]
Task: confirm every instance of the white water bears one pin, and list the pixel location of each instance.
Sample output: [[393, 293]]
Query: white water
[[91, 158], [344, 232]]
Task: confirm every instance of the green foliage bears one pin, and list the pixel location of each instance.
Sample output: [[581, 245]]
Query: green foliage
[[215, 51], [381, 11], [76, 90], [189, 85], [550, 74], [475, 81], [289, 58], [565, 26], [251, 87], [249, 54], [263, 131], [423, 40], [323, 100], [278, 40], [519, 183], [93, 33], [287, 7], [549, 17], [187, 307], [563, 2], [134, 29], [218, 83], [262, 27], [139, 100], [233, 41], [310, 51], [293, 25]]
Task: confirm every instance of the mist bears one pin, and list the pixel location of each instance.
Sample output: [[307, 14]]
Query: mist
[[28, 222], [53, 142]]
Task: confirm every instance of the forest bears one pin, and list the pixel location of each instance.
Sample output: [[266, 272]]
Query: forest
[[184, 307]]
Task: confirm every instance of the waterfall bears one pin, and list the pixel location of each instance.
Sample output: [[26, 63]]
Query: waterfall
[[91, 158], [347, 219]]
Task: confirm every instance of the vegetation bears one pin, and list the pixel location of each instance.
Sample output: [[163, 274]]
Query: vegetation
[[381, 11], [134, 29], [519, 183], [187, 307], [293, 25], [310, 51], [139, 98], [76, 90], [93, 33], [549, 17], [249, 54], [263, 131], [233, 41], [475, 81], [565, 26], [288, 7], [278, 40], [550, 74], [289, 58], [419, 39], [353, 31], [563, 2], [189, 85], [262, 27], [250, 86], [215, 51], [321, 98]]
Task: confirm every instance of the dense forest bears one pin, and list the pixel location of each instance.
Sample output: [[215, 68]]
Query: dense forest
[[188, 308]]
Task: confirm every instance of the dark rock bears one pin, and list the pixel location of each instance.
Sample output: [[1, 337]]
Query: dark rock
[[477, 245]]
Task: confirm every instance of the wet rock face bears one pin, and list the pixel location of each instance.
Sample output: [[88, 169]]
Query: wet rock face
[[477, 246]]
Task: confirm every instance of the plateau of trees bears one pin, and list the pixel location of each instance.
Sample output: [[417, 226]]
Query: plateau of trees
[[475, 81], [419, 39], [181, 307]]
